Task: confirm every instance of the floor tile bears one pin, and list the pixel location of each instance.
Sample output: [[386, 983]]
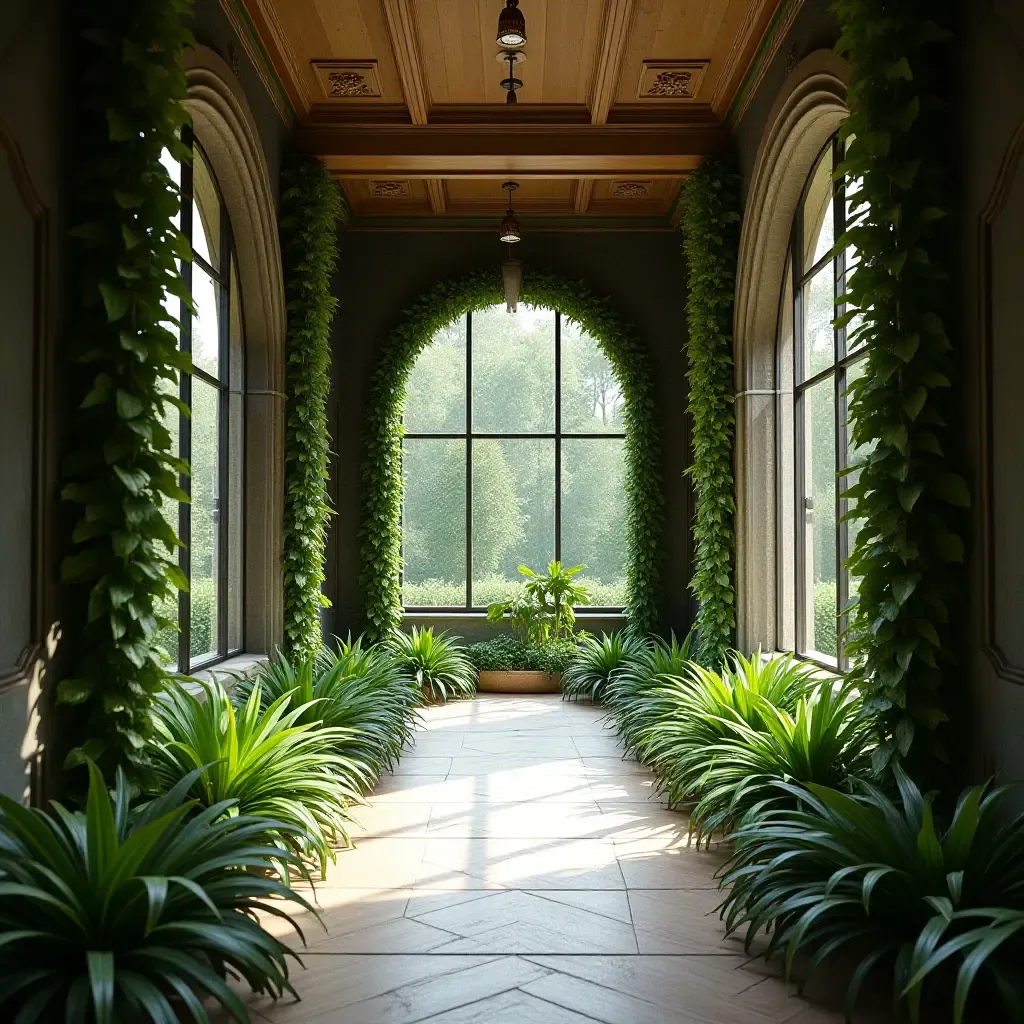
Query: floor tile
[[515, 1007]]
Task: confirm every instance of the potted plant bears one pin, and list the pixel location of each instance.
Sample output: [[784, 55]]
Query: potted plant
[[542, 643]]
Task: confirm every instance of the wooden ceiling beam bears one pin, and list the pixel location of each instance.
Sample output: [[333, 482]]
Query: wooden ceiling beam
[[538, 151], [614, 36], [402, 29]]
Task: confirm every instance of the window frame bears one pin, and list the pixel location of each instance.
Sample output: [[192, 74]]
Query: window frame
[[798, 278], [224, 280], [468, 436]]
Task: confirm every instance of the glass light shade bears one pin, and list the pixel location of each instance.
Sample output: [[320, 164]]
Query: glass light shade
[[512, 279], [511, 25], [510, 228]]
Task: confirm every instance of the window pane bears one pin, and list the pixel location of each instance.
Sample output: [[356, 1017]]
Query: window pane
[[591, 399], [434, 522], [436, 394], [787, 478], [819, 227], [205, 322], [205, 213], [514, 370], [819, 493], [819, 312], [167, 638], [205, 510], [513, 512], [594, 515]]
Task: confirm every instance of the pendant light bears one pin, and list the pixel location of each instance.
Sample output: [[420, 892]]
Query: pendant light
[[511, 26], [510, 226], [511, 84]]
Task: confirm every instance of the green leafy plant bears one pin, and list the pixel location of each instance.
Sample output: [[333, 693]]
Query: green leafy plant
[[826, 740], [111, 914], [359, 690], [906, 497], [692, 711], [710, 205], [381, 533], [310, 207], [509, 654], [121, 465], [437, 663], [597, 663], [267, 762], [938, 908], [545, 609]]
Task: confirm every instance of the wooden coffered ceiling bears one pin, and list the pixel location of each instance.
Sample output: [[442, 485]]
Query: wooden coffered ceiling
[[402, 100]]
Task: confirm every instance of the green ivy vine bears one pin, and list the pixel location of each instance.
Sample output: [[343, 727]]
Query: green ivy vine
[[121, 467], [710, 222], [310, 207], [905, 496], [381, 534]]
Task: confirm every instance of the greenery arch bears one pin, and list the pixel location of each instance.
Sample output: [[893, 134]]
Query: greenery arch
[[380, 534]]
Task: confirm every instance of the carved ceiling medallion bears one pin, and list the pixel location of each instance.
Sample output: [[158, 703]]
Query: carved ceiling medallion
[[630, 189], [348, 80], [390, 189], [671, 79]]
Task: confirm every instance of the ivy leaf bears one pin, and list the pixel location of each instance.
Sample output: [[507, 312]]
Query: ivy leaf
[[115, 300]]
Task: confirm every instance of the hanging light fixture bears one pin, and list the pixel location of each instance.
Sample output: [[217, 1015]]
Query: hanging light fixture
[[511, 84], [511, 26], [511, 270], [510, 226]]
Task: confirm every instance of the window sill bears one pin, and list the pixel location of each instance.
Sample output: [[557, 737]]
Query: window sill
[[222, 672]]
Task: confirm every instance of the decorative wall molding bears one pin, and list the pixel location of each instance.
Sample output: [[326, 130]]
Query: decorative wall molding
[[227, 131], [1009, 168], [808, 111]]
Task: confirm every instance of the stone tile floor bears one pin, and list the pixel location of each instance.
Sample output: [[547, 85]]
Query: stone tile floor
[[515, 868]]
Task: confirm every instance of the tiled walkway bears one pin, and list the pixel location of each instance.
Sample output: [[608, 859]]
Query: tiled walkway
[[514, 871]]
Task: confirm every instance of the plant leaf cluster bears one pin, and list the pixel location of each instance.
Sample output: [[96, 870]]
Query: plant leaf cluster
[[381, 532], [711, 220], [906, 498], [937, 908], [310, 208], [505, 653], [545, 609], [598, 661], [437, 663], [121, 467], [109, 914]]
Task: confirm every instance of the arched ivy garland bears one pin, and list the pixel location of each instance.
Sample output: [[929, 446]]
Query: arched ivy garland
[[381, 534]]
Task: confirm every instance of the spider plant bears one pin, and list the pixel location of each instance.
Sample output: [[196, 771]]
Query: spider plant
[[110, 915], [938, 908], [599, 661], [827, 740], [360, 690], [438, 663], [265, 760], [691, 711]]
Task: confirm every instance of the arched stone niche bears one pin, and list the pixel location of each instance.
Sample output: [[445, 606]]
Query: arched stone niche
[[227, 132], [808, 111]]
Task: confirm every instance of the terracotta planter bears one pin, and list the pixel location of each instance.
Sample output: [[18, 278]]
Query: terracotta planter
[[519, 682]]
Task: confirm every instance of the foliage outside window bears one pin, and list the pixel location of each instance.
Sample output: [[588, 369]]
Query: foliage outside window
[[440, 309], [818, 361], [514, 431], [210, 436]]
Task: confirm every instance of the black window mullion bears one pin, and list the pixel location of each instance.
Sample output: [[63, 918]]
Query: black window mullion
[[223, 422], [842, 588], [185, 425], [558, 436], [799, 458], [469, 460]]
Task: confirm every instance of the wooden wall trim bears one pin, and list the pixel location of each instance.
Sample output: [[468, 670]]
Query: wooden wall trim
[[1005, 177]]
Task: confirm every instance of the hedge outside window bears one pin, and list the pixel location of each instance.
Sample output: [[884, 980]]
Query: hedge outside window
[[209, 614], [815, 370], [513, 454]]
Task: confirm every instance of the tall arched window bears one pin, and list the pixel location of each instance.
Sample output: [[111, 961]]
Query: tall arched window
[[211, 437], [513, 455], [817, 362]]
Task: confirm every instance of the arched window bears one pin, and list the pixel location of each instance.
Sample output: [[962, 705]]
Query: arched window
[[209, 614], [817, 362], [513, 455]]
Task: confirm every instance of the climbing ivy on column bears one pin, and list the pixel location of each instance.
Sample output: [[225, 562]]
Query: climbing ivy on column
[[710, 225], [310, 207], [381, 531], [906, 496], [121, 468]]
